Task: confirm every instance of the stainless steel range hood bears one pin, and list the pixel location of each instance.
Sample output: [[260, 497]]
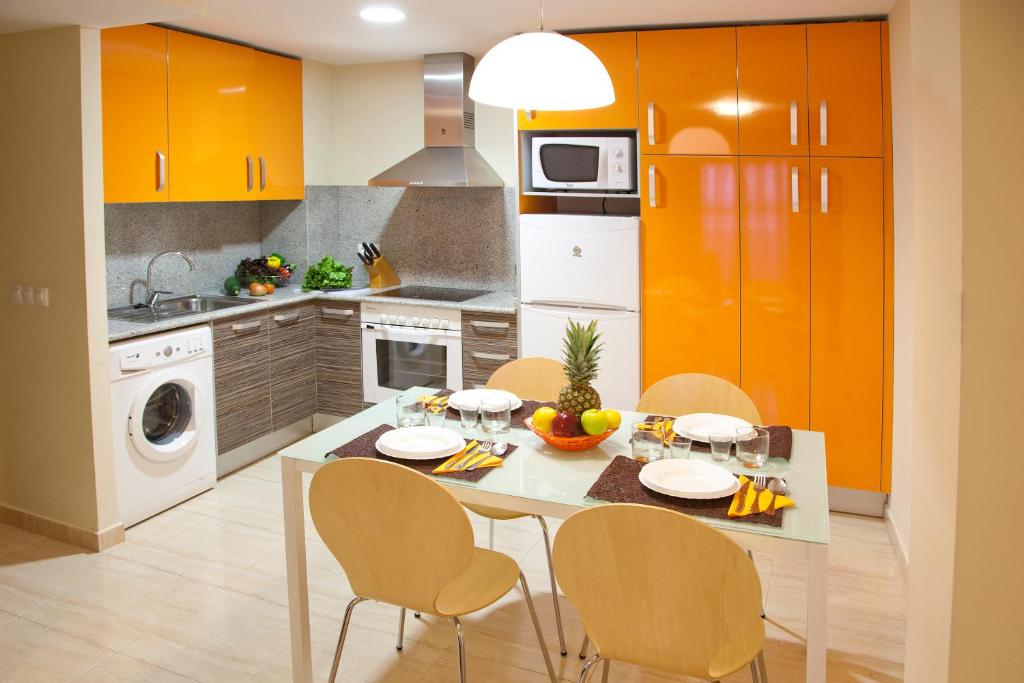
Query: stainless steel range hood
[[449, 157]]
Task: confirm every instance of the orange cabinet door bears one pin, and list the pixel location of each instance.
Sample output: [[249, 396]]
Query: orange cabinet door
[[687, 91], [775, 280], [690, 275], [211, 116], [772, 74], [847, 306], [135, 151], [844, 72], [617, 51], [278, 119]]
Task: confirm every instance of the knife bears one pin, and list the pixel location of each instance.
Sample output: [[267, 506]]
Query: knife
[[362, 257], [368, 252], [487, 456], [470, 452], [374, 250]]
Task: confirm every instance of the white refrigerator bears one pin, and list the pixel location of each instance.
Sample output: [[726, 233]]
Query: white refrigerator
[[584, 268]]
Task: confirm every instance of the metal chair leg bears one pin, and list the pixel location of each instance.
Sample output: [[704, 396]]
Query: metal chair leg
[[761, 665], [607, 668], [584, 646], [490, 534], [750, 554], [462, 649], [416, 614], [536, 627], [586, 668], [401, 628], [554, 585], [341, 638], [753, 672]]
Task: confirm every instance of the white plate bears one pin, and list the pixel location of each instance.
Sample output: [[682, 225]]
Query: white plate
[[698, 426], [689, 479], [420, 443], [474, 396]]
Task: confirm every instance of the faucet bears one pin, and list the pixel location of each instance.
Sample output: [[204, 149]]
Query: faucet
[[153, 295]]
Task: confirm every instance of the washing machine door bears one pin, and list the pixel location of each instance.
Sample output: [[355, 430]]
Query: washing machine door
[[164, 420]]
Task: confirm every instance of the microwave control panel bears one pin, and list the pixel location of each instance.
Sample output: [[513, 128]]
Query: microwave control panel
[[620, 163]]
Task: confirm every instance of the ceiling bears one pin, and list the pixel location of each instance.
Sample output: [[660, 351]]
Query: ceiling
[[331, 30]]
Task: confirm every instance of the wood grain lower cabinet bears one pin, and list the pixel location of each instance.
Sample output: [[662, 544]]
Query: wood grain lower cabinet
[[489, 340], [241, 377], [339, 374], [292, 364]]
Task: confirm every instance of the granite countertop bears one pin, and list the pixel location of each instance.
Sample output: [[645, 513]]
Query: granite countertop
[[492, 302]]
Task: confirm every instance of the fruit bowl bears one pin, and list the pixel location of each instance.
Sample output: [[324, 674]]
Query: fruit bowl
[[569, 443]]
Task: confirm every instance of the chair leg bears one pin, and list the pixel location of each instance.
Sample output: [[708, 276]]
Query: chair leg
[[554, 585], [536, 627], [462, 649], [416, 614], [586, 668], [607, 668], [401, 628], [584, 646], [490, 534], [761, 665], [750, 554], [753, 672], [341, 638]]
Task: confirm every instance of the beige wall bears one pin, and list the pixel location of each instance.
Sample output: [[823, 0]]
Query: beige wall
[[318, 122], [55, 435]]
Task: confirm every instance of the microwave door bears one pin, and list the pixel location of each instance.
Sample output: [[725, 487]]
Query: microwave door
[[568, 165]]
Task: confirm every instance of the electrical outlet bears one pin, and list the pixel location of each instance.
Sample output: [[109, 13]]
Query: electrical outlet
[[41, 296], [15, 294], [24, 295]]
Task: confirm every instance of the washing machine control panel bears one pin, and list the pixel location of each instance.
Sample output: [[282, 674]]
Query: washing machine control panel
[[161, 352]]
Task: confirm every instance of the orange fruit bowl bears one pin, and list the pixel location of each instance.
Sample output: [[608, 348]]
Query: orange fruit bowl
[[569, 443]]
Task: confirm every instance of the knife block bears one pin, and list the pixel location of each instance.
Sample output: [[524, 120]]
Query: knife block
[[381, 273]]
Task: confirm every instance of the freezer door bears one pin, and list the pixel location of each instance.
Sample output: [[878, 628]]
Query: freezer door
[[618, 377], [589, 261]]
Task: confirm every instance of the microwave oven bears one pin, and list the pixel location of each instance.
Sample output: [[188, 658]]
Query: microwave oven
[[587, 163]]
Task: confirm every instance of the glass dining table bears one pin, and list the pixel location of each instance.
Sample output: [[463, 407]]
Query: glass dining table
[[538, 479]]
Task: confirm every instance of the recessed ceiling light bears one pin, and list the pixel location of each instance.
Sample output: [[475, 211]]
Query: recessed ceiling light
[[382, 15]]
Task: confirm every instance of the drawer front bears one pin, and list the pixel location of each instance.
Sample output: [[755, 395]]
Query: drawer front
[[291, 329], [496, 328], [341, 317], [339, 378], [241, 375], [292, 364], [481, 359]]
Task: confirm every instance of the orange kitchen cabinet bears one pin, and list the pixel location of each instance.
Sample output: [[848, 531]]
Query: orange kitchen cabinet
[[847, 283], [690, 266], [844, 84], [135, 149], [775, 281], [211, 119], [617, 51], [687, 90], [278, 121], [772, 76]]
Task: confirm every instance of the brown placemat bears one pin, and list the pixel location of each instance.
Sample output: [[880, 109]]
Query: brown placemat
[[365, 447], [780, 440], [518, 415], [620, 483]]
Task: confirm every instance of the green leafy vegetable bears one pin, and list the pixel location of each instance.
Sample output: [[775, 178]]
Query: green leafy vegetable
[[327, 274]]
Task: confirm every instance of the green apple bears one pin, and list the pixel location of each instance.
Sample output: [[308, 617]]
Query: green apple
[[614, 419], [594, 422], [542, 418]]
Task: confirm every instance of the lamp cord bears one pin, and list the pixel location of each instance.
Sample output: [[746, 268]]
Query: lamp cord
[[541, 15]]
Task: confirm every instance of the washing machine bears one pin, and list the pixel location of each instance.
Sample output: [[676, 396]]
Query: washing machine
[[165, 445]]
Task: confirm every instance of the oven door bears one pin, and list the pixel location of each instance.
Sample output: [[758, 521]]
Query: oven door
[[579, 163], [396, 359]]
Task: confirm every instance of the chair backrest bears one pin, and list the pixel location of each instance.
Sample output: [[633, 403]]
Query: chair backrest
[[659, 589], [399, 536], [535, 378], [698, 393]]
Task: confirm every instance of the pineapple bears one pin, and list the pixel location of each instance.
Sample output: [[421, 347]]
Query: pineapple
[[581, 351]]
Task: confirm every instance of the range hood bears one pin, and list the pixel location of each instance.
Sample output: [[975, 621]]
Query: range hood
[[449, 157]]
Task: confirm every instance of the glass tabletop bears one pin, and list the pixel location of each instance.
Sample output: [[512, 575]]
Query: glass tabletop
[[540, 472]]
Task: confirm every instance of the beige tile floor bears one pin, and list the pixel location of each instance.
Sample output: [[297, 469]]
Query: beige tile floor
[[198, 593]]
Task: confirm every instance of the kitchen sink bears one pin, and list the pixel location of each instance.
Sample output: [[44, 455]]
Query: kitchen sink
[[177, 307]]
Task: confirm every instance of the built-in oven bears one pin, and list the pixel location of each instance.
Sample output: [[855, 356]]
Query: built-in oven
[[409, 346], [582, 162]]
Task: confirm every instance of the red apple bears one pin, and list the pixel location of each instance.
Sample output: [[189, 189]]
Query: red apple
[[565, 424]]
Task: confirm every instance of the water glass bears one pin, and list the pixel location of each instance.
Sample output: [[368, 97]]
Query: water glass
[[721, 446], [410, 412], [495, 418], [435, 417], [648, 442], [679, 447], [469, 414], [752, 447]]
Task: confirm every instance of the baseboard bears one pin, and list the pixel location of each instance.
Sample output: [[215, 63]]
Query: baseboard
[[857, 502], [898, 545], [96, 541], [322, 421], [262, 447]]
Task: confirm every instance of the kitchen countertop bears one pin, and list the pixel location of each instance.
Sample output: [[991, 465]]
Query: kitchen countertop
[[492, 302]]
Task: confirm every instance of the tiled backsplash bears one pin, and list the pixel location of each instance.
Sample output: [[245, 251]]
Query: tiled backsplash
[[455, 237]]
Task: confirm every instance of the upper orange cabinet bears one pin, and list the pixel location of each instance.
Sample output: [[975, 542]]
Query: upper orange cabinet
[[134, 68], [772, 103], [687, 91], [617, 51], [278, 120], [845, 89]]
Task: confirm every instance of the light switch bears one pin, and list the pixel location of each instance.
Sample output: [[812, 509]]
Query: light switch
[[14, 294], [41, 296]]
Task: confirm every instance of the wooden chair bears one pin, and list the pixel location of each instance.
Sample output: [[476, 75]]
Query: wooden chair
[[403, 539], [661, 590], [697, 393]]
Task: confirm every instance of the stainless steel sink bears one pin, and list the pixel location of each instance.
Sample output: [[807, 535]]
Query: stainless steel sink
[[177, 307]]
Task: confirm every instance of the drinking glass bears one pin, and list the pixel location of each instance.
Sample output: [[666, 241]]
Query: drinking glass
[[410, 412], [469, 413], [752, 447], [721, 446], [679, 447], [496, 422], [648, 442], [435, 417]]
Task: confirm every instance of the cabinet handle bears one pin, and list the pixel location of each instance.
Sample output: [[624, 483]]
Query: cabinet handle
[[824, 190], [248, 173], [337, 311], [531, 114], [263, 173], [245, 327], [650, 124], [652, 187], [795, 192], [792, 123], [161, 171], [823, 127], [287, 317], [490, 356], [489, 324]]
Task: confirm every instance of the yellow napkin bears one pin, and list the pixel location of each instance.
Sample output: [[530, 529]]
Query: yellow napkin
[[434, 404], [751, 500], [481, 458], [662, 426]]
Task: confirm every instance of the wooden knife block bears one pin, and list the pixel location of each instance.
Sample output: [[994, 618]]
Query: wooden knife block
[[381, 273]]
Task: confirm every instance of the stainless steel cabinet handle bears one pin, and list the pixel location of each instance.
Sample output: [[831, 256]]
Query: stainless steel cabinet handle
[[489, 324], [490, 356], [263, 173], [650, 123], [795, 192], [248, 173], [245, 327], [161, 171], [823, 126], [337, 311], [652, 189], [824, 190], [792, 123], [286, 317]]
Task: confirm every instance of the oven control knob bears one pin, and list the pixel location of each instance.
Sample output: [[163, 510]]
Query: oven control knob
[[401, 320], [444, 324], [168, 351], [434, 322], [414, 322], [392, 319]]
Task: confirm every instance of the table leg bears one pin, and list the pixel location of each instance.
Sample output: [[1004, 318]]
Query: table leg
[[295, 554], [817, 611]]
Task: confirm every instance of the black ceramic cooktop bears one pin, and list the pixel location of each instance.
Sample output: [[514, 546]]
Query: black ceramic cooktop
[[432, 293]]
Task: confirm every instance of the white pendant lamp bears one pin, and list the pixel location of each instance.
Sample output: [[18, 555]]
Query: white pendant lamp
[[541, 70]]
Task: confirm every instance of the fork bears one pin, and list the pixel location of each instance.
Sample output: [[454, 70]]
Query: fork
[[760, 481]]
